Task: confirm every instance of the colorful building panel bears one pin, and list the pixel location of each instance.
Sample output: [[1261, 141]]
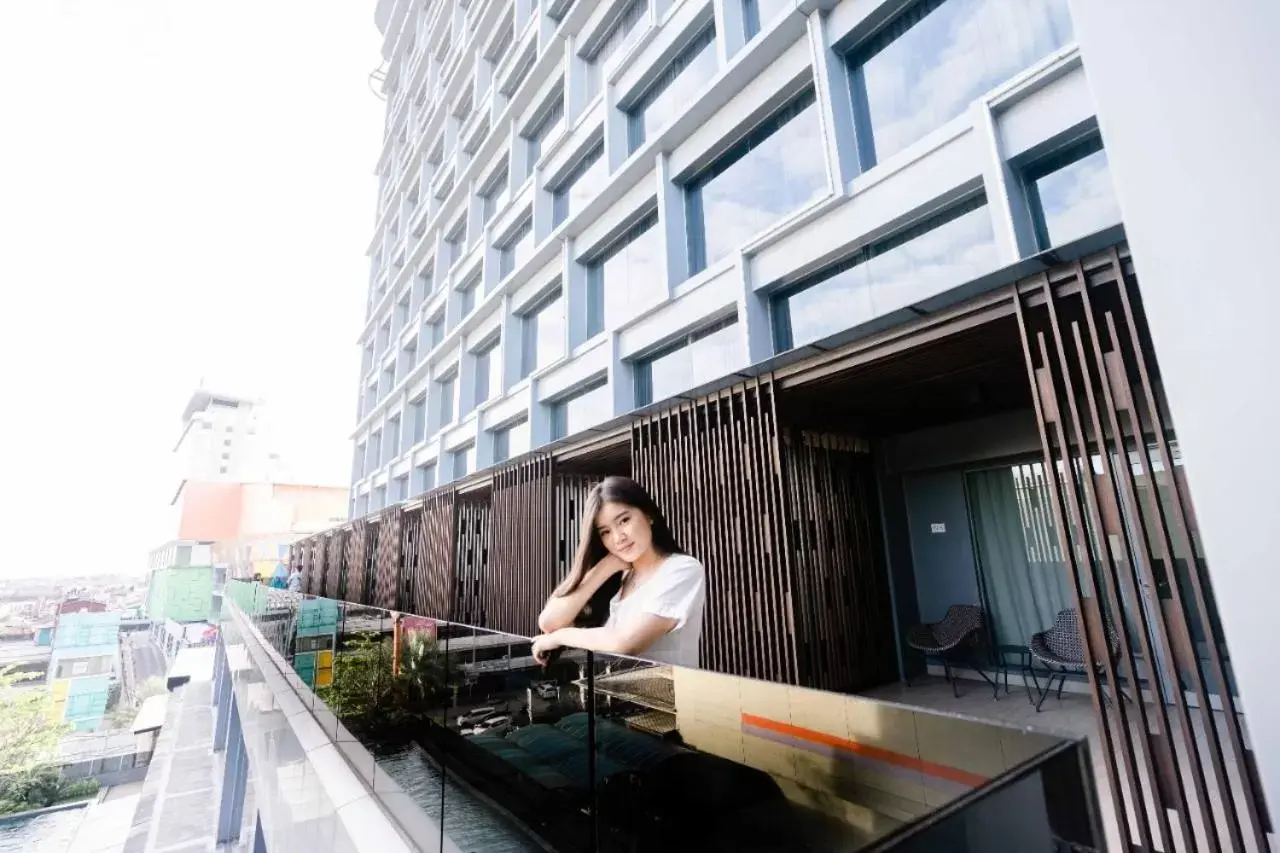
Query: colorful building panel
[[83, 665], [183, 594]]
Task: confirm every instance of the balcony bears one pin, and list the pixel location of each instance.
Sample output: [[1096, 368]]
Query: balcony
[[461, 737]]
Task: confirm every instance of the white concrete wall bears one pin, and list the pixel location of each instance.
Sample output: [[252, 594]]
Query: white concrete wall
[[1187, 102]]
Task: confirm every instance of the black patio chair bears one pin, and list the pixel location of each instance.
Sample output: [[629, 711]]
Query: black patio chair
[[957, 635], [1061, 650]]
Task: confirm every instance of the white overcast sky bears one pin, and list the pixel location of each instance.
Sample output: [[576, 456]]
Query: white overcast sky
[[186, 192]]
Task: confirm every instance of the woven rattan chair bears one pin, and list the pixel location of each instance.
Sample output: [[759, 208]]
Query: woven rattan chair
[[1061, 650], [956, 635]]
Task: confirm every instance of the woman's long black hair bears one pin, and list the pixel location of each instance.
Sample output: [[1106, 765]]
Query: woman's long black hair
[[591, 550]]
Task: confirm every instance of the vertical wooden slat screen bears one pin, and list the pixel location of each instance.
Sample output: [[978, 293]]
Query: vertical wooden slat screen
[[843, 612], [410, 536], [521, 563], [431, 585], [568, 498], [471, 563], [357, 575], [1133, 566], [388, 558], [335, 550], [712, 466]]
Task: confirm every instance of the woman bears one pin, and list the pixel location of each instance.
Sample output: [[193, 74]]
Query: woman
[[657, 611]]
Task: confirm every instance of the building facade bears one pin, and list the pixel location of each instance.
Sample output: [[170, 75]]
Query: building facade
[[847, 286], [84, 666], [225, 439]]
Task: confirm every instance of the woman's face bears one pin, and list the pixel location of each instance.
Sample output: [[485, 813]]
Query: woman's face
[[625, 531]]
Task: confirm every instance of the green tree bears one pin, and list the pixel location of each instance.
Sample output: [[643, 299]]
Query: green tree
[[370, 698], [30, 728]]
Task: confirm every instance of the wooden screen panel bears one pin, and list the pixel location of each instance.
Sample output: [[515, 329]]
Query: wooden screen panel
[[1104, 438], [842, 607], [335, 549], [357, 560], [713, 466], [410, 534], [431, 586], [521, 564], [568, 498], [387, 561], [471, 563]]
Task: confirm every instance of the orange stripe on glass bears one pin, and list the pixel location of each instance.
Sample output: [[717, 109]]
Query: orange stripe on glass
[[940, 771]]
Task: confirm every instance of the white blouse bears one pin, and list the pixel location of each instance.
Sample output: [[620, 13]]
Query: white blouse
[[677, 590]]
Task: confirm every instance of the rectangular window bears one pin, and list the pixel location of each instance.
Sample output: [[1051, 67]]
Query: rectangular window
[[402, 310], [455, 241], [625, 277], [1070, 194], [379, 499], [470, 291], [757, 13], [400, 489], [667, 96], [777, 168], [520, 73], [701, 356], [496, 193], [933, 256], [488, 372], [392, 444], [510, 441], [547, 126], [581, 185], [418, 419], [618, 37], [927, 65], [410, 356], [516, 249], [422, 284], [447, 389], [424, 478], [435, 331], [375, 452], [543, 329], [464, 461], [500, 48], [357, 465], [584, 408]]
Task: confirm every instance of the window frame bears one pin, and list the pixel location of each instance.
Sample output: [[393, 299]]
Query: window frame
[[695, 214], [560, 209], [643, 366], [594, 267], [697, 41], [1054, 161], [779, 300]]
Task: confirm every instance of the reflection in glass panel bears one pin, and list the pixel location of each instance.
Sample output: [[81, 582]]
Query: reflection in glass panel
[[548, 126], [544, 334], [759, 13], [447, 391], [619, 36], [926, 67], [581, 184], [584, 409], [424, 478], [511, 441], [774, 171], [496, 193], [940, 253], [517, 249], [667, 96], [645, 756], [628, 276], [705, 355], [1073, 200], [464, 461]]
